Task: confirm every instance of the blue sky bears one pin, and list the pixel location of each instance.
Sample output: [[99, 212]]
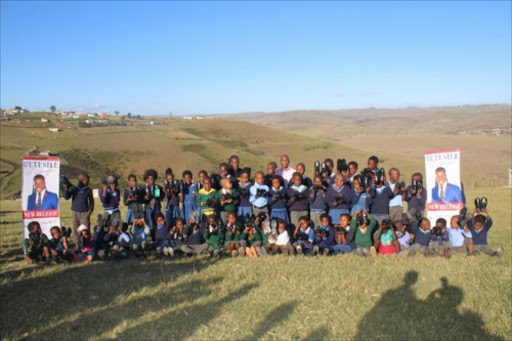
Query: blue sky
[[219, 57]]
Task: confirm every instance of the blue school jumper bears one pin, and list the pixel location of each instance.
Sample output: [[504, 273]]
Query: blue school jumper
[[245, 206], [278, 209], [189, 201], [360, 201]]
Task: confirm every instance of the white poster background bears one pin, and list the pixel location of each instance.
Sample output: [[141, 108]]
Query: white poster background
[[49, 168], [450, 161]]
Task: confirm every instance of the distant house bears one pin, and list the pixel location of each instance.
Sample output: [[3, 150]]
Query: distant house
[[104, 114], [92, 115], [54, 130], [101, 121], [44, 120], [199, 118], [10, 112], [155, 123], [188, 118]]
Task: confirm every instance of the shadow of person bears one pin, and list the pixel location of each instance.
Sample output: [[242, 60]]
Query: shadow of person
[[321, 333], [271, 320], [399, 314]]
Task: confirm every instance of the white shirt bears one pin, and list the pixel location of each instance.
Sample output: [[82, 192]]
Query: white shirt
[[283, 239]]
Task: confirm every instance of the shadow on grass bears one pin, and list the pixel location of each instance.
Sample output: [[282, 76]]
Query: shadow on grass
[[80, 301], [271, 320], [321, 333], [399, 314]]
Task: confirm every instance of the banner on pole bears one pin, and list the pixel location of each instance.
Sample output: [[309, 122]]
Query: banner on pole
[[40, 193], [442, 170]]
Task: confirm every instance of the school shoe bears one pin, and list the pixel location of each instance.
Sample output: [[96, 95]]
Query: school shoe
[[259, 252], [299, 251], [241, 251], [405, 253], [326, 252], [264, 251], [499, 252], [290, 250], [234, 253], [273, 252], [315, 251], [170, 251], [165, 251], [373, 252]]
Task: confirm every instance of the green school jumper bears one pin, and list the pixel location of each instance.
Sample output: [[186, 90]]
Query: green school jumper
[[363, 240]]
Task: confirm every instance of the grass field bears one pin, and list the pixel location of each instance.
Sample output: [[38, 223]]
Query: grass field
[[343, 297]]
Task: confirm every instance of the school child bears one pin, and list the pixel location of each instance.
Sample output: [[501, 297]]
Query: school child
[[161, 243], [194, 243], [58, 246], [402, 235], [139, 232], [304, 236], [244, 188], [271, 173], [188, 195], [82, 203], [110, 196], [277, 199], [479, 226], [396, 205], [101, 245], [352, 170], [206, 199], [363, 225], [380, 197], [254, 241], [268, 231], [282, 243], [317, 200], [339, 198], [227, 197], [421, 237], [416, 197], [386, 242], [440, 242], [153, 194], [259, 195], [344, 236], [86, 244], [329, 166], [325, 237], [373, 163], [214, 236], [234, 167], [233, 238], [121, 246], [172, 198], [460, 238], [361, 198], [177, 236], [298, 199], [36, 245], [223, 173], [301, 168], [132, 199]]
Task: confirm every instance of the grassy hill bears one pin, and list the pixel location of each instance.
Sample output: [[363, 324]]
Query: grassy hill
[[314, 298]]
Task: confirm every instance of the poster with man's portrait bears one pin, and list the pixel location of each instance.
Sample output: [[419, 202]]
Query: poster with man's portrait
[[442, 169], [40, 193]]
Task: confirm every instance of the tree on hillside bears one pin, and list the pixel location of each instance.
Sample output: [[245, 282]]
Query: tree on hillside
[[138, 116], [17, 107], [129, 115], [53, 108], [116, 112]]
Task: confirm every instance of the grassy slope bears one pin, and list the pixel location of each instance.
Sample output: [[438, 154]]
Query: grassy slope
[[273, 298]]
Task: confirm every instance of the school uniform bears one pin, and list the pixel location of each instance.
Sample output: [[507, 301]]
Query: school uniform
[[172, 207], [194, 243], [480, 237], [244, 205], [335, 211], [396, 205], [139, 236], [255, 240], [363, 238], [201, 198], [153, 204], [82, 205], [278, 208], [259, 204], [349, 244], [189, 201], [422, 240], [360, 201], [404, 239], [459, 239], [416, 202], [310, 233], [379, 208], [214, 237], [231, 207], [298, 208], [305, 181], [134, 206], [317, 205], [326, 242]]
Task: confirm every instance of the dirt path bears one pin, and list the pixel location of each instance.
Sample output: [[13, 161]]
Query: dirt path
[[57, 123], [15, 166]]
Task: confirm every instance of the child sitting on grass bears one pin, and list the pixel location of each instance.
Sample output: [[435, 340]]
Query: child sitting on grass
[[325, 235], [121, 247], [177, 236], [194, 243], [298, 201], [304, 236], [233, 236], [344, 236], [402, 235], [460, 238], [214, 236], [386, 242], [161, 244], [363, 225], [479, 226], [421, 236], [277, 199], [282, 244], [139, 232], [227, 197], [206, 199], [254, 241], [58, 246], [36, 245], [317, 200], [86, 244], [440, 243]]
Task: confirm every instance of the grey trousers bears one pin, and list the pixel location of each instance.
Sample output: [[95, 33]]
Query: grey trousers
[[256, 210], [395, 213], [380, 218], [315, 218], [194, 249], [417, 248], [79, 218], [224, 217], [463, 248], [295, 216], [439, 249], [485, 249]]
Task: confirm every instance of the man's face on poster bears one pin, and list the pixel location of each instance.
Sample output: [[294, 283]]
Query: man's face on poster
[[39, 185], [441, 177]]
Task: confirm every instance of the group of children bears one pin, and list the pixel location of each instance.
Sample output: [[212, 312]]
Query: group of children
[[283, 211]]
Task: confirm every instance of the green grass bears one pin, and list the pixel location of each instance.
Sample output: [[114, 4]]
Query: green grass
[[342, 297]]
